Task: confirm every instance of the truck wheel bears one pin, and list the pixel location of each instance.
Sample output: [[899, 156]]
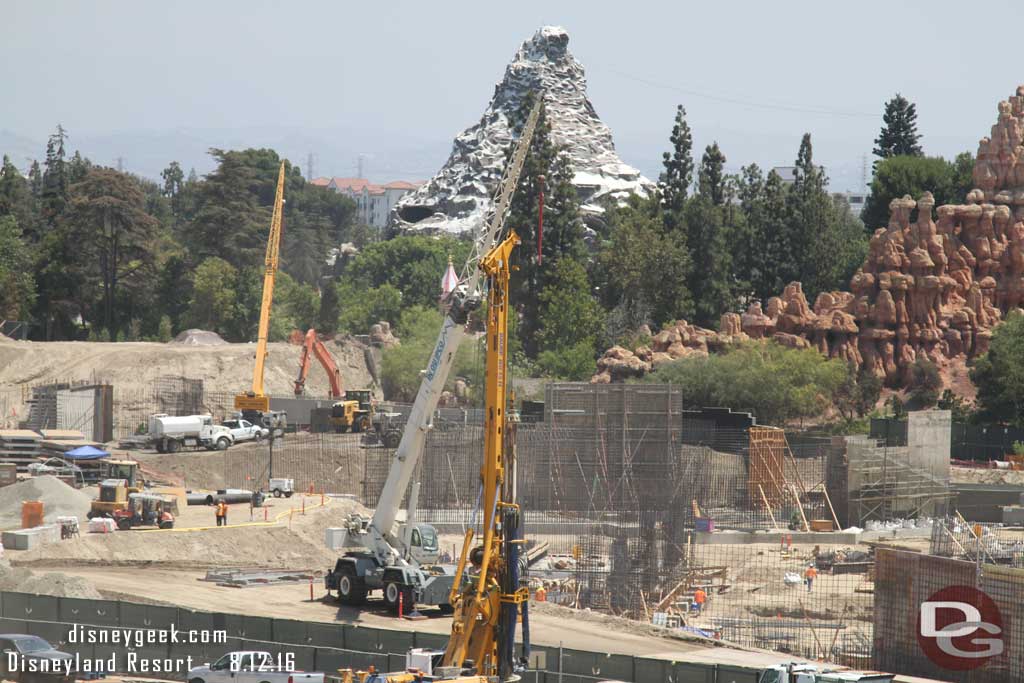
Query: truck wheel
[[166, 525], [363, 425], [124, 524], [392, 439], [196, 680], [223, 443], [259, 437], [351, 588], [391, 593], [160, 447], [288, 494], [173, 446], [277, 493]]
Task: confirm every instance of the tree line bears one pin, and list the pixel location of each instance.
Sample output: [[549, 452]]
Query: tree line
[[87, 251]]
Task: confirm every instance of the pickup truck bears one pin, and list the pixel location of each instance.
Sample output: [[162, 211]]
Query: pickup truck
[[243, 430], [251, 666]]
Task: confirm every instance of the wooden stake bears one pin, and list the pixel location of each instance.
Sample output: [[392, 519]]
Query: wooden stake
[[836, 636], [832, 509], [768, 507]]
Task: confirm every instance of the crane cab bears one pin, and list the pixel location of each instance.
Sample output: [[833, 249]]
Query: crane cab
[[423, 544]]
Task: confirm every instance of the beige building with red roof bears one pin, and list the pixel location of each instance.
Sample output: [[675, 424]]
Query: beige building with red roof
[[374, 202]]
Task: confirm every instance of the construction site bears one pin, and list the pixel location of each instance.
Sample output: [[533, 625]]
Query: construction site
[[632, 505]]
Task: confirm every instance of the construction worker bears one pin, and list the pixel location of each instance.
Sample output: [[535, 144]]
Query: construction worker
[[541, 594], [810, 574], [699, 598], [222, 513]]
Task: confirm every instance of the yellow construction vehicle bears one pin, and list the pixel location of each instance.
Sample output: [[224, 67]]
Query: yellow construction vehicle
[[481, 647], [122, 478], [354, 411], [255, 404]]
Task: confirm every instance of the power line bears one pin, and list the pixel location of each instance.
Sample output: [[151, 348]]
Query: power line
[[741, 101]]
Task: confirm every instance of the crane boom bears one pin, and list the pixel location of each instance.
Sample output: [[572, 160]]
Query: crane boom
[[256, 399], [462, 301]]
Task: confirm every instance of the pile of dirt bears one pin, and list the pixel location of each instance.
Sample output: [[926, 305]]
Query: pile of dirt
[[197, 337], [977, 475], [21, 580], [58, 500], [135, 367], [299, 545]]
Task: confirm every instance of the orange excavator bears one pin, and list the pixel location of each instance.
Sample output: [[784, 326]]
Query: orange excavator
[[314, 347], [352, 410]]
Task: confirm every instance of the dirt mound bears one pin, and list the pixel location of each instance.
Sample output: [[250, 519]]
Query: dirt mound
[[196, 337], [977, 475], [135, 367], [299, 545], [58, 499], [21, 580]]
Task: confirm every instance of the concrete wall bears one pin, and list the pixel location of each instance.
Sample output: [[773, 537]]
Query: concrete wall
[[929, 434]]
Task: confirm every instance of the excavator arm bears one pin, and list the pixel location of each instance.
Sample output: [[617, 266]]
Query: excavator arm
[[314, 347]]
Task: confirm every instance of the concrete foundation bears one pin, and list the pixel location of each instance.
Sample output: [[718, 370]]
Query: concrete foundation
[[26, 539]]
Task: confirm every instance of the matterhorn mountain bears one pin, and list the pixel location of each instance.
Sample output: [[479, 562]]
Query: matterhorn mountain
[[458, 197]]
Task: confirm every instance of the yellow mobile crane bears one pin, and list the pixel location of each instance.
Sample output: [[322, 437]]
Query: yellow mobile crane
[[254, 404], [481, 647]]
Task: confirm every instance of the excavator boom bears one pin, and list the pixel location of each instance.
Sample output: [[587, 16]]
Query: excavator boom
[[314, 347]]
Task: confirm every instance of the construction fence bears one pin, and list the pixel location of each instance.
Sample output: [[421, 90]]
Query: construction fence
[[919, 595], [308, 646]]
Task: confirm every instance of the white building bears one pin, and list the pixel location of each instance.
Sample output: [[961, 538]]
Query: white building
[[373, 202]]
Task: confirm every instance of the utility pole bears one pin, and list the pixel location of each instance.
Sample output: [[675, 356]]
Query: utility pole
[[309, 167], [359, 166], [120, 164]]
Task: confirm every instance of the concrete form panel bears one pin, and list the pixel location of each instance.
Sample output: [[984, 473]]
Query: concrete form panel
[[322, 635], [289, 631], [736, 674], [692, 673], [81, 611]]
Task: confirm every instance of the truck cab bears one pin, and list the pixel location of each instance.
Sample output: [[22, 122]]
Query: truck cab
[[423, 544]]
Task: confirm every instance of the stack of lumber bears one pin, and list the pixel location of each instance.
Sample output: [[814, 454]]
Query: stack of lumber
[[20, 447]]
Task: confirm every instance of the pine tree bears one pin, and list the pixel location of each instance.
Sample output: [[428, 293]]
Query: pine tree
[[899, 136], [563, 228], [35, 179], [675, 180], [711, 181], [54, 193], [16, 199], [777, 264], [78, 168]]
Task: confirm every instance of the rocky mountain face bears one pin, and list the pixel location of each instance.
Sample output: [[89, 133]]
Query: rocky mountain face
[[457, 198], [932, 288]]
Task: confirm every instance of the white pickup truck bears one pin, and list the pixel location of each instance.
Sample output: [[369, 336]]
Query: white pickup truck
[[243, 430], [251, 666]]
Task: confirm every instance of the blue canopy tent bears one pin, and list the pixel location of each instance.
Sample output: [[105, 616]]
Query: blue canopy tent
[[86, 453]]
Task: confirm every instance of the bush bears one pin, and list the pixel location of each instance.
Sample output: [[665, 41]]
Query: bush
[[925, 383], [776, 383], [999, 374], [569, 363]]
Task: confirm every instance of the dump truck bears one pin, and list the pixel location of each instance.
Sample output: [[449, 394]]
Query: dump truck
[[170, 433]]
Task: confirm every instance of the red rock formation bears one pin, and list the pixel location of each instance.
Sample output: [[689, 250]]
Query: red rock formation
[[931, 288]]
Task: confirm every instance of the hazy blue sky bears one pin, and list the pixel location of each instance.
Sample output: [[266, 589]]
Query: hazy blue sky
[[152, 81]]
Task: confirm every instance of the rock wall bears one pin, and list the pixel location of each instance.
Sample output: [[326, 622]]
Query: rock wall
[[457, 198], [934, 287]]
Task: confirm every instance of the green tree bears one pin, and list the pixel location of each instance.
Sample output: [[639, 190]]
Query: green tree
[[712, 175], [775, 383], [899, 136], [174, 181], [17, 287], [677, 177], [164, 331], [16, 199], [361, 307], [634, 292], [999, 374], [563, 228], [412, 264], [925, 383], [78, 168], [711, 281], [296, 306], [402, 365], [570, 317], [858, 394], [55, 183], [330, 308], [765, 206], [114, 234], [214, 295], [913, 175]]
